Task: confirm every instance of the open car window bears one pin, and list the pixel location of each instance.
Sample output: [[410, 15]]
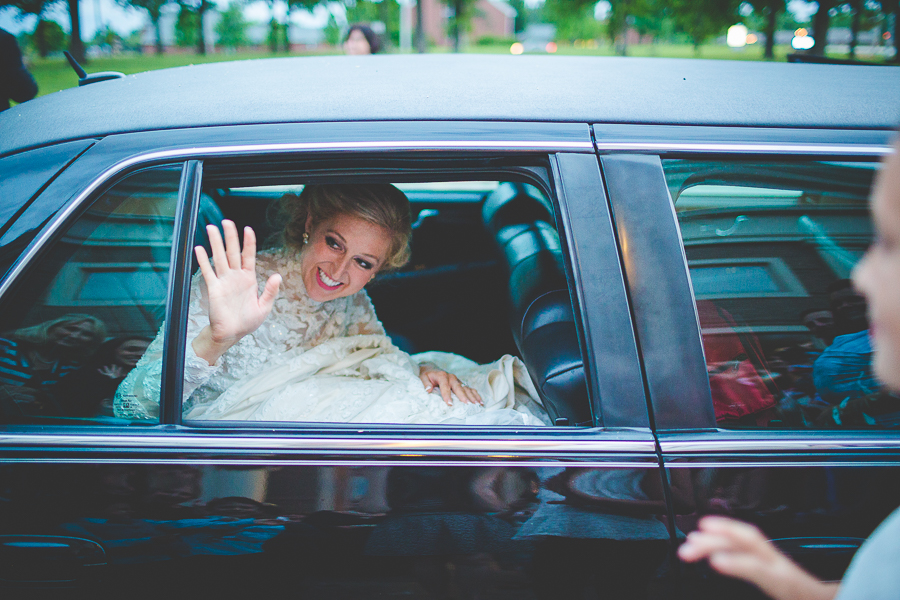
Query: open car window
[[771, 248], [483, 299]]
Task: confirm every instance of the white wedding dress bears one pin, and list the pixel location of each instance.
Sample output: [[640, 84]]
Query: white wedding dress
[[324, 362]]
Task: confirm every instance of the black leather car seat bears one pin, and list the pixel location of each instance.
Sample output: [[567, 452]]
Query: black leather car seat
[[543, 324]]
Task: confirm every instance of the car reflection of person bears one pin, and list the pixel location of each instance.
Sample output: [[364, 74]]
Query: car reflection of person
[[16, 83], [244, 363], [33, 359], [361, 40], [88, 390], [740, 550]]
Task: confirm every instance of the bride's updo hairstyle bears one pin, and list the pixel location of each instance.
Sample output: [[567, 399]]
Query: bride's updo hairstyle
[[378, 203]]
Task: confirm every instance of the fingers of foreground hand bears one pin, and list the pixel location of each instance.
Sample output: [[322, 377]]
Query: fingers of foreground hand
[[732, 548], [218, 248], [205, 268], [232, 244], [437, 379], [248, 254], [267, 298]]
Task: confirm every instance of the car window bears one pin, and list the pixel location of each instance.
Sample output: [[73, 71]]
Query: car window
[[85, 312], [770, 249], [459, 312]]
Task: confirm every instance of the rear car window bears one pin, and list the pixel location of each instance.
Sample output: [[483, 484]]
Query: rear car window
[[770, 248]]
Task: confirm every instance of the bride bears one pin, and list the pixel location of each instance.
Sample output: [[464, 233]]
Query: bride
[[318, 352]]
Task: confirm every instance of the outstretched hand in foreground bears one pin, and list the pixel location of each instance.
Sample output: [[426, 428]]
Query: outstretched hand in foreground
[[235, 306], [740, 550]]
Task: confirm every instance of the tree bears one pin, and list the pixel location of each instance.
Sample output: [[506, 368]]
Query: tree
[[462, 11], [703, 19], [37, 7], [574, 19], [154, 11], [821, 22], [48, 37], [191, 13], [645, 16], [232, 27], [768, 11]]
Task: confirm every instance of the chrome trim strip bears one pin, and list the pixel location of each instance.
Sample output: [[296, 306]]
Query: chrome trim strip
[[768, 445], [498, 447], [772, 463], [263, 463], [746, 148], [220, 151]]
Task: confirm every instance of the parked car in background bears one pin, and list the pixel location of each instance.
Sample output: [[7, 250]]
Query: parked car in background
[[663, 242]]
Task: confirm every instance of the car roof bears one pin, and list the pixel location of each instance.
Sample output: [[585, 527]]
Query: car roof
[[464, 88]]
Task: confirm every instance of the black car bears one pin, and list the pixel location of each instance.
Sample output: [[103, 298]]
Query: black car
[[664, 243]]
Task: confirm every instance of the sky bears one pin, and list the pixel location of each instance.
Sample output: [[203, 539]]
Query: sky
[[98, 13]]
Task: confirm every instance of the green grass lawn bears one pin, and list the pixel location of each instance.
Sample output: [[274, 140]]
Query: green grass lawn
[[54, 74]]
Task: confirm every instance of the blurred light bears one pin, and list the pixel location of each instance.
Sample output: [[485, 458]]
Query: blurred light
[[550, 47], [801, 32], [804, 42], [886, 35], [516, 48], [737, 36], [751, 38]]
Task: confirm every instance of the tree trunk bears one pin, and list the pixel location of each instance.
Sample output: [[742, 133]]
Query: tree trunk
[[201, 40], [40, 39], [771, 20], [420, 29], [893, 7], [76, 46], [820, 27], [159, 45], [857, 7], [456, 29]]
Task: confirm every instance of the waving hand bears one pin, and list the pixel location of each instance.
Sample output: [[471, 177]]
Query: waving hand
[[235, 307]]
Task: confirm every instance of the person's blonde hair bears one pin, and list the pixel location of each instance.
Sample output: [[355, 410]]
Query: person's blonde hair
[[379, 203], [39, 335]]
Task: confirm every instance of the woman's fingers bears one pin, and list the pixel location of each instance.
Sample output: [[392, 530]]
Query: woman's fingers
[[449, 383], [232, 244], [248, 254], [217, 248], [464, 392], [206, 269], [267, 298]]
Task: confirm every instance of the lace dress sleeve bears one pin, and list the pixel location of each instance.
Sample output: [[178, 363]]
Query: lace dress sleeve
[[138, 395], [362, 318]]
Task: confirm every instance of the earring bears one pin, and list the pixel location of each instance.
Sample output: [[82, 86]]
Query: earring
[[305, 238]]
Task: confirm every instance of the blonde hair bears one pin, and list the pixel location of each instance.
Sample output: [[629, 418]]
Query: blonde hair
[[39, 335], [380, 204]]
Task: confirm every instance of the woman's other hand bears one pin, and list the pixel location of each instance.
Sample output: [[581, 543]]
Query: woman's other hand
[[235, 306], [740, 550], [432, 377]]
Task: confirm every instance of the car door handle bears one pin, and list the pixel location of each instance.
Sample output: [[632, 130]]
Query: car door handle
[[48, 559]]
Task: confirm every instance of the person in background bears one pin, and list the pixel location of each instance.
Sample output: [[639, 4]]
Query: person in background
[[361, 40], [88, 391], [16, 83], [740, 550]]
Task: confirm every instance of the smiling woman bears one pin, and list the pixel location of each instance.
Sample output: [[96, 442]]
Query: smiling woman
[[317, 351]]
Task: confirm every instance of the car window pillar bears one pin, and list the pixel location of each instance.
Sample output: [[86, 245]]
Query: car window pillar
[[180, 289]]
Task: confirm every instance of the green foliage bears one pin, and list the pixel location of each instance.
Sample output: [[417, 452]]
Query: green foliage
[[232, 28], [521, 14], [384, 11], [107, 37], [186, 27], [574, 19], [47, 38], [492, 40], [332, 32], [704, 19]]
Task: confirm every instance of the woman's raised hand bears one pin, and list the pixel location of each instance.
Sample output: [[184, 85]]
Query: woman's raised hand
[[235, 306]]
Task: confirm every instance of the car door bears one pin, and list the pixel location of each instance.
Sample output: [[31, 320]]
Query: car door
[[755, 347], [98, 502]]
